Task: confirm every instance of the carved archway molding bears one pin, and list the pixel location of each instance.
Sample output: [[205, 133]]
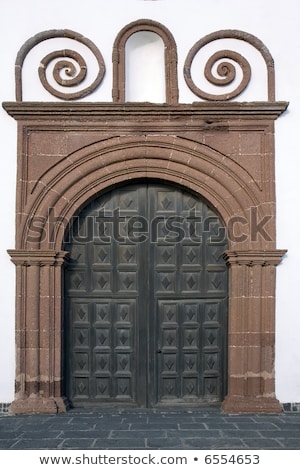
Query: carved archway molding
[[50, 202], [69, 154]]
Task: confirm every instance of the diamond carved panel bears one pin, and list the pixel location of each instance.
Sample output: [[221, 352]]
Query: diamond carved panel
[[211, 337], [190, 386], [191, 338], [169, 388], [166, 201], [103, 313], [123, 362], [81, 337], [103, 387], [211, 362], [165, 255], [127, 281], [102, 254], [128, 201], [81, 387], [123, 337], [190, 312], [81, 361], [190, 362], [102, 337], [102, 281], [78, 281], [127, 254], [80, 313], [102, 362], [169, 362], [191, 282], [166, 282], [169, 312], [124, 387], [77, 254]]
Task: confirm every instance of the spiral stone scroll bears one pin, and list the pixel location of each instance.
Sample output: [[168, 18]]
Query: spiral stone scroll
[[227, 72], [69, 68], [227, 62]]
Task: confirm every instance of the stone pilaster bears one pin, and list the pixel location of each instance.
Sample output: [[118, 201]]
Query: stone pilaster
[[251, 331], [38, 384]]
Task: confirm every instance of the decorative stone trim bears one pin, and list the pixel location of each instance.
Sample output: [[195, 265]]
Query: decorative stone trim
[[38, 258], [252, 258], [204, 114], [226, 70], [74, 77]]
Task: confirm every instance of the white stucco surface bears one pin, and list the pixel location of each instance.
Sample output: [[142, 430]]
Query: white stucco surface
[[276, 24]]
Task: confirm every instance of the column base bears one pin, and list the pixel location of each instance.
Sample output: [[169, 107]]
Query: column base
[[39, 405], [238, 404]]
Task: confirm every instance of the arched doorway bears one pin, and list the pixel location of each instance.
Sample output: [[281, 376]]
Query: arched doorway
[[90, 155], [146, 299]]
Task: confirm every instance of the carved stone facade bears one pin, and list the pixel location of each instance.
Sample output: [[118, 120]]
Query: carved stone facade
[[69, 153]]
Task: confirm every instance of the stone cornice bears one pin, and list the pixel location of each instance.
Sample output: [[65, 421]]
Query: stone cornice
[[254, 257], [38, 257], [86, 111]]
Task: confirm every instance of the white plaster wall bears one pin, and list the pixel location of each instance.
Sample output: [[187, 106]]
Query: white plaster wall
[[274, 22]]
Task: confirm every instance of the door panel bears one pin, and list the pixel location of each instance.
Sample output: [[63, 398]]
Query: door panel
[[102, 280], [190, 350], [146, 291], [188, 270]]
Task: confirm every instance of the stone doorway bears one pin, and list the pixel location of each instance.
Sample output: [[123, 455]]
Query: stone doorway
[[216, 147]]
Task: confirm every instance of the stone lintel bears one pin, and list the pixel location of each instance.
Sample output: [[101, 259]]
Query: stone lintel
[[143, 111]]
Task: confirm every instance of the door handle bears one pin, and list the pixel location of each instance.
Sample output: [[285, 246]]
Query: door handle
[[159, 351]]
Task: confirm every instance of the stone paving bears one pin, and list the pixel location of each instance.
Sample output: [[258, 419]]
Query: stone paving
[[150, 429]]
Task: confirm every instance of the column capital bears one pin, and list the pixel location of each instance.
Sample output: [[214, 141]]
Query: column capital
[[38, 257], [254, 257]]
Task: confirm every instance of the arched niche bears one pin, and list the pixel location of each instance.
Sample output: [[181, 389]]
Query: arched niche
[[170, 59], [145, 72]]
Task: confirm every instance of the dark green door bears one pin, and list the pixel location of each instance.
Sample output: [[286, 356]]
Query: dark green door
[[146, 299]]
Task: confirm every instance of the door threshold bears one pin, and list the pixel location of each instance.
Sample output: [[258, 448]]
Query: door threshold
[[119, 408]]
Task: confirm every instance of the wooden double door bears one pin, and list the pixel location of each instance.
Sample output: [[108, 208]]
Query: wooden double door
[[145, 300]]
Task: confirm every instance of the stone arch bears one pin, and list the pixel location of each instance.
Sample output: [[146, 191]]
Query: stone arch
[[69, 184]]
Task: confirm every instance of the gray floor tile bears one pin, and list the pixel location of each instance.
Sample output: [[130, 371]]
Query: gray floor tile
[[150, 429]]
